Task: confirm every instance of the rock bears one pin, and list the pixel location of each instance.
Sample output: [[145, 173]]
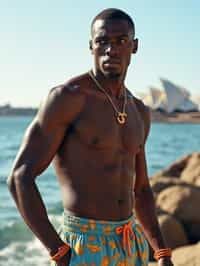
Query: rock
[[172, 231], [182, 202], [160, 183], [159, 212], [187, 256], [177, 193], [187, 168], [175, 169], [191, 172]]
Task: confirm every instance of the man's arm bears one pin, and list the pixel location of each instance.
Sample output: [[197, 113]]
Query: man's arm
[[39, 146], [144, 200]]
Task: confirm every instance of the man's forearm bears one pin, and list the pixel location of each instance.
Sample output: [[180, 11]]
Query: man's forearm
[[145, 213], [31, 207]]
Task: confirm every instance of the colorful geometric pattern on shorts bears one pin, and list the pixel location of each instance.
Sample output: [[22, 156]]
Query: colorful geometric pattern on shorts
[[97, 243]]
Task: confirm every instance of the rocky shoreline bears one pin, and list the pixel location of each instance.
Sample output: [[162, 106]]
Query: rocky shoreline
[[177, 196], [191, 117]]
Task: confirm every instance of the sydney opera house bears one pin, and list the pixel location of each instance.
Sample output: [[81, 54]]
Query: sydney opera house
[[171, 98]]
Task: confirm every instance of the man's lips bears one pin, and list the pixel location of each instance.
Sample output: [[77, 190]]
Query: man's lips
[[112, 62]]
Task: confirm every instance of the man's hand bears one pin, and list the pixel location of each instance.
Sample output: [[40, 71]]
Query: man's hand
[[166, 261], [65, 260]]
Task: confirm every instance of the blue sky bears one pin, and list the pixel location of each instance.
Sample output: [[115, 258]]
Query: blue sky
[[44, 43]]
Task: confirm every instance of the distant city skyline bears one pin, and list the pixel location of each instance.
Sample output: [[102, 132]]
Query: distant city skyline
[[45, 43]]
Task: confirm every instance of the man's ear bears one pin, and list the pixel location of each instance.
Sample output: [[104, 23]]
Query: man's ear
[[135, 46], [90, 46]]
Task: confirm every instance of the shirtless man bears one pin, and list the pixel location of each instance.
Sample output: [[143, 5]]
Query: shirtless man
[[95, 131]]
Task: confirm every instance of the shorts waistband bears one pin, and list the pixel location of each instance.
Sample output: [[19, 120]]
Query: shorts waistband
[[86, 225]]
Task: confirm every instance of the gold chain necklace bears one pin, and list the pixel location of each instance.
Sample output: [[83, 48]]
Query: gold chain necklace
[[121, 116]]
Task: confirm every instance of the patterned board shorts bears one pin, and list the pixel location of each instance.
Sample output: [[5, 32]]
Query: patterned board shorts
[[105, 243]]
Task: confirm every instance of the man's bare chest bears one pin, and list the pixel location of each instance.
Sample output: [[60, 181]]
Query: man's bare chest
[[98, 127]]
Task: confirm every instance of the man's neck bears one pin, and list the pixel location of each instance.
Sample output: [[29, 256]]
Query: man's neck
[[115, 87]]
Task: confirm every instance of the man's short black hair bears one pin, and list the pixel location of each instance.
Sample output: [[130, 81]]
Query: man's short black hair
[[114, 14]]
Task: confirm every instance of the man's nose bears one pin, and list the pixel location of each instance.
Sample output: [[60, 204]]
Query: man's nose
[[111, 49]]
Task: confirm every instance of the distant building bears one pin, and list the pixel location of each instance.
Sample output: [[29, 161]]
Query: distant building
[[196, 99], [172, 98], [8, 110]]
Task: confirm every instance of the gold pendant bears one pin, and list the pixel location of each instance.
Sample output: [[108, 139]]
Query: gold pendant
[[121, 118]]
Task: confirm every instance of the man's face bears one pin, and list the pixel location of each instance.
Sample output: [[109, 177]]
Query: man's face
[[112, 45]]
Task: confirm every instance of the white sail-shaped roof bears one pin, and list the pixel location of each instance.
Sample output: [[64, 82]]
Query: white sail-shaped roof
[[177, 98], [155, 94], [155, 100], [158, 98], [171, 98], [147, 100], [196, 100]]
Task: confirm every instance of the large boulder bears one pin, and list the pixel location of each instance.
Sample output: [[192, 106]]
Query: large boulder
[[182, 202], [173, 232], [160, 183], [191, 173], [175, 169], [187, 256]]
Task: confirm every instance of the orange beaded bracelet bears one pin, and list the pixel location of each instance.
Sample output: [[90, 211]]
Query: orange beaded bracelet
[[61, 252], [160, 253]]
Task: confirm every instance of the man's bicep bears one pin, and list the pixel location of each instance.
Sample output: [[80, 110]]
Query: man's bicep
[[38, 148], [141, 171], [142, 179], [42, 138], [46, 132]]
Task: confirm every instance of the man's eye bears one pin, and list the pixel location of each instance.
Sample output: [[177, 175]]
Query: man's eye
[[101, 42], [122, 40]]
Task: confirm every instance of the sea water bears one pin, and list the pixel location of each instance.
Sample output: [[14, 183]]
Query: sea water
[[18, 246]]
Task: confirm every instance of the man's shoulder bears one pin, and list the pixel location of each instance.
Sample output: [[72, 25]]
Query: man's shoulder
[[144, 112], [141, 107], [64, 100], [73, 86]]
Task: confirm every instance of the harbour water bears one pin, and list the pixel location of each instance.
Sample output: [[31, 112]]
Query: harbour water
[[18, 247]]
